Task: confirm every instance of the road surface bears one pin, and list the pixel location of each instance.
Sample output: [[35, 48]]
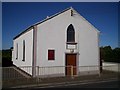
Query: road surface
[[98, 84], [90, 84]]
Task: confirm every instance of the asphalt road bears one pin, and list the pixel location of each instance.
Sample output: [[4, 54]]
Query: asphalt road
[[106, 84], [91, 84], [98, 84]]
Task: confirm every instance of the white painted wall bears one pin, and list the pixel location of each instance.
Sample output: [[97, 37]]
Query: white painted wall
[[88, 43], [52, 35], [50, 71], [111, 66], [28, 37]]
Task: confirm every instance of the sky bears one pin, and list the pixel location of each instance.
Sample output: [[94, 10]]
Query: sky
[[16, 17]]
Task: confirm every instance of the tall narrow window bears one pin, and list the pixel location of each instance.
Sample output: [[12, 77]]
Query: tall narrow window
[[51, 55], [23, 50], [17, 51], [70, 33]]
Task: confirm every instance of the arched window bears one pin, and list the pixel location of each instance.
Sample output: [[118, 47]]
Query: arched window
[[70, 33]]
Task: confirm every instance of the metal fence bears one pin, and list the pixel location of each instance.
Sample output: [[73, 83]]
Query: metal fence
[[53, 71], [61, 71], [23, 75], [11, 73]]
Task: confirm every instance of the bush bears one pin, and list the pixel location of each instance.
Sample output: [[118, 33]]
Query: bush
[[7, 58], [110, 55]]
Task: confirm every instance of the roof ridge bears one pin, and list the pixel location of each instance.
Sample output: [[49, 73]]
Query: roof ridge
[[27, 29], [49, 17]]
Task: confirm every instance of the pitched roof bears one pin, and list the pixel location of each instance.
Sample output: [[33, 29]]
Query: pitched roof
[[30, 27]]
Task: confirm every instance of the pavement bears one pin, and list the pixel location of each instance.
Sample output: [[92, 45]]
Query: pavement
[[112, 83], [47, 82]]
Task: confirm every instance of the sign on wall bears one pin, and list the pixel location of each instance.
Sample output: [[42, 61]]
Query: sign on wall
[[69, 46]]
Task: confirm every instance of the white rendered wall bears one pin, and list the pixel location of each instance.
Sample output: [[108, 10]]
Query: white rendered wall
[[88, 44], [28, 37], [111, 66], [51, 34]]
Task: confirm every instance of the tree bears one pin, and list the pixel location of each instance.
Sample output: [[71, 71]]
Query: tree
[[116, 54], [7, 58], [110, 55]]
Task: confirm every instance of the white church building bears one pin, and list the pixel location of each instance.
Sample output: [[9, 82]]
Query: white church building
[[62, 40]]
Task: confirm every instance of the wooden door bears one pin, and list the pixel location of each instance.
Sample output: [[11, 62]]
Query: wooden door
[[70, 61]]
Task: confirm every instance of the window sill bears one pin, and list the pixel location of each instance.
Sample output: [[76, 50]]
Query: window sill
[[73, 43], [23, 60]]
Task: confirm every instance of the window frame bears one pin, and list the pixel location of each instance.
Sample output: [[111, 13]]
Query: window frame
[[70, 33], [51, 58]]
